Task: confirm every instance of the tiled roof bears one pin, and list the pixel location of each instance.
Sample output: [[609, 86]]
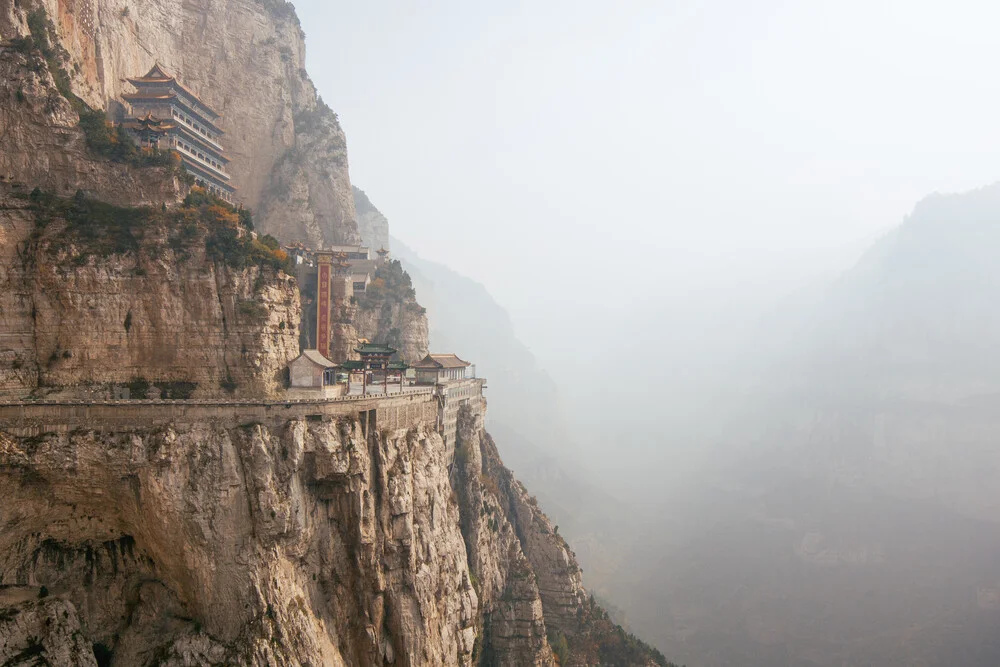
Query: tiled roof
[[317, 358], [160, 75], [441, 361], [372, 348]]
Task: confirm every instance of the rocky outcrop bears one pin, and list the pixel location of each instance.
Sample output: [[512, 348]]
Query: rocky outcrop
[[322, 541], [316, 541], [387, 312], [39, 630], [402, 324], [78, 316], [513, 626], [305, 543], [246, 59], [42, 145], [372, 224], [304, 199], [531, 590]]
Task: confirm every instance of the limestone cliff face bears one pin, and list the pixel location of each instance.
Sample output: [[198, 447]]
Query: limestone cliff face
[[319, 541], [402, 324], [78, 320], [246, 59], [389, 313], [304, 543], [531, 594], [41, 144], [372, 224]]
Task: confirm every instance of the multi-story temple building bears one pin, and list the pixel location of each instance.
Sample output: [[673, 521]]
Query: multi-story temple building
[[164, 114]]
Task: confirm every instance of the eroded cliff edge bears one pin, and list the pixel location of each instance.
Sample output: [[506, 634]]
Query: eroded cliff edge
[[189, 535], [318, 539], [298, 543], [245, 58]]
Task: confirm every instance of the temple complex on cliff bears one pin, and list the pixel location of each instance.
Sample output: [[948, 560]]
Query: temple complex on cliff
[[164, 114]]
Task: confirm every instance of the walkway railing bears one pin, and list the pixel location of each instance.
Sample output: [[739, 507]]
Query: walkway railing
[[214, 402]]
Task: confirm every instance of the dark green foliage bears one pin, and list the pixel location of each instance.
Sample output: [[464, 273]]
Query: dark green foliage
[[390, 284], [33, 655], [94, 226], [138, 388], [23, 45], [311, 121], [107, 228], [128, 322], [115, 144], [246, 221], [280, 9], [614, 646], [98, 228], [226, 245], [230, 241], [176, 390], [43, 592], [43, 38], [560, 647]]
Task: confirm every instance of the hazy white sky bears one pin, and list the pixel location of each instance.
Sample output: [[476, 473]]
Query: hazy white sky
[[571, 152]]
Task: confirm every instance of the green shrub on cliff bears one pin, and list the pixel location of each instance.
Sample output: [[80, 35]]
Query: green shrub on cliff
[[103, 139], [390, 285], [115, 143], [97, 228]]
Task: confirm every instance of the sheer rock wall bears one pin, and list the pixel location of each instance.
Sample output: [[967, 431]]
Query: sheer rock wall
[[80, 323], [201, 544], [244, 58]]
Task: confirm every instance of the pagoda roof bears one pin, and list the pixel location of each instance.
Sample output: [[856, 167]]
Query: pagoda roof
[[441, 361], [374, 349], [150, 122], [398, 366], [169, 97], [352, 365], [158, 75]]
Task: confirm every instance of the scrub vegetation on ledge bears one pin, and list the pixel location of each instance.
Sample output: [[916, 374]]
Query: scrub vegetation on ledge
[[97, 228], [103, 139], [390, 285]]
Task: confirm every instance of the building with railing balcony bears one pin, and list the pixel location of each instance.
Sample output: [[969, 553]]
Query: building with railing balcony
[[164, 114]]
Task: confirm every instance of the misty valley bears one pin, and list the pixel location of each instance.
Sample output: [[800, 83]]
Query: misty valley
[[559, 334]]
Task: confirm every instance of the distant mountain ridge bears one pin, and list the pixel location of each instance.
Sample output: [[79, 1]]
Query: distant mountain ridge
[[846, 514]]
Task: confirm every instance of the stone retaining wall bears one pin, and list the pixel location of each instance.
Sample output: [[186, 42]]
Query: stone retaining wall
[[28, 418]]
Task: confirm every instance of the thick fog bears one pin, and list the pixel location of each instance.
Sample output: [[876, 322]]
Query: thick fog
[[569, 154], [773, 373]]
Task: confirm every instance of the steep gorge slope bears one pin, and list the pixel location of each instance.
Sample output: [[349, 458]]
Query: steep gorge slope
[[300, 541], [850, 515], [526, 413], [215, 539]]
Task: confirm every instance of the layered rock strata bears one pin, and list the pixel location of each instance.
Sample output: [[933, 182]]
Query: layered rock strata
[[247, 545], [76, 320], [244, 58]]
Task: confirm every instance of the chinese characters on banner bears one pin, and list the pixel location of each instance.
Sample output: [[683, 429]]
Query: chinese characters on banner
[[323, 319]]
